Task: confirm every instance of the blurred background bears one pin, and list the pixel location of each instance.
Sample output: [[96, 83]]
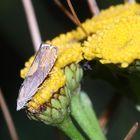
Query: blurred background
[[16, 47]]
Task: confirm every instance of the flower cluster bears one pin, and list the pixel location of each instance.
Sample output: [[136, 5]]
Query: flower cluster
[[117, 43], [113, 38]]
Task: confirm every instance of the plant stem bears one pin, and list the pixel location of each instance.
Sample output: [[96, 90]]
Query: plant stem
[[76, 17], [132, 132], [8, 118], [93, 7], [32, 23], [90, 113], [70, 130], [82, 111]]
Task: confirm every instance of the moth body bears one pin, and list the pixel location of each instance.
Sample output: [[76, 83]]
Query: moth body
[[40, 68]]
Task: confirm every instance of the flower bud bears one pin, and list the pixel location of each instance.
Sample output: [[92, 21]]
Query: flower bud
[[55, 110]]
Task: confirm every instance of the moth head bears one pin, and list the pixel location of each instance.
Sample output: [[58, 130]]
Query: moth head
[[20, 104]]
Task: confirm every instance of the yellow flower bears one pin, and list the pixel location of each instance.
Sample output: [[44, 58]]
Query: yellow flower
[[69, 44], [49, 87], [117, 43], [70, 54], [113, 38], [96, 23], [107, 16]]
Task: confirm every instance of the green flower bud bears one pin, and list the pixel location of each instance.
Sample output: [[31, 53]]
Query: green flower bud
[[57, 109]]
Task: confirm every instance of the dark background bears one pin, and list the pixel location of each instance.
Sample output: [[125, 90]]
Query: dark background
[[16, 47]]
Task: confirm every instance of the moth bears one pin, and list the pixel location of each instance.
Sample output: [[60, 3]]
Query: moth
[[43, 62]]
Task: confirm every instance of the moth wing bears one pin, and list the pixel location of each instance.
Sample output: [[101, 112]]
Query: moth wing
[[40, 68], [48, 60]]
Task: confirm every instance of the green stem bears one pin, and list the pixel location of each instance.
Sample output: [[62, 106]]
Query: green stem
[[82, 111], [70, 130], [90, 113]]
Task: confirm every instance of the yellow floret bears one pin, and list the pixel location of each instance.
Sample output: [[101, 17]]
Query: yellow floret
[[96, 23], [51, 85], [71, 53], [118, 43], [107, 16]]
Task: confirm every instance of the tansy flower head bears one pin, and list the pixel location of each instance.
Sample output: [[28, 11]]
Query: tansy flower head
[[113, 38], [71, 53], [107, 16], [117, 43], [51, 85]]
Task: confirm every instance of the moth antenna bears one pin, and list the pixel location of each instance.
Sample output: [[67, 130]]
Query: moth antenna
[[62, 7], [132, 132], [93, 7], [76, 18]]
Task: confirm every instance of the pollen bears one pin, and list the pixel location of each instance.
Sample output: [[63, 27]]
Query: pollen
[[117, 43], [71, 53], [51, 85]]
